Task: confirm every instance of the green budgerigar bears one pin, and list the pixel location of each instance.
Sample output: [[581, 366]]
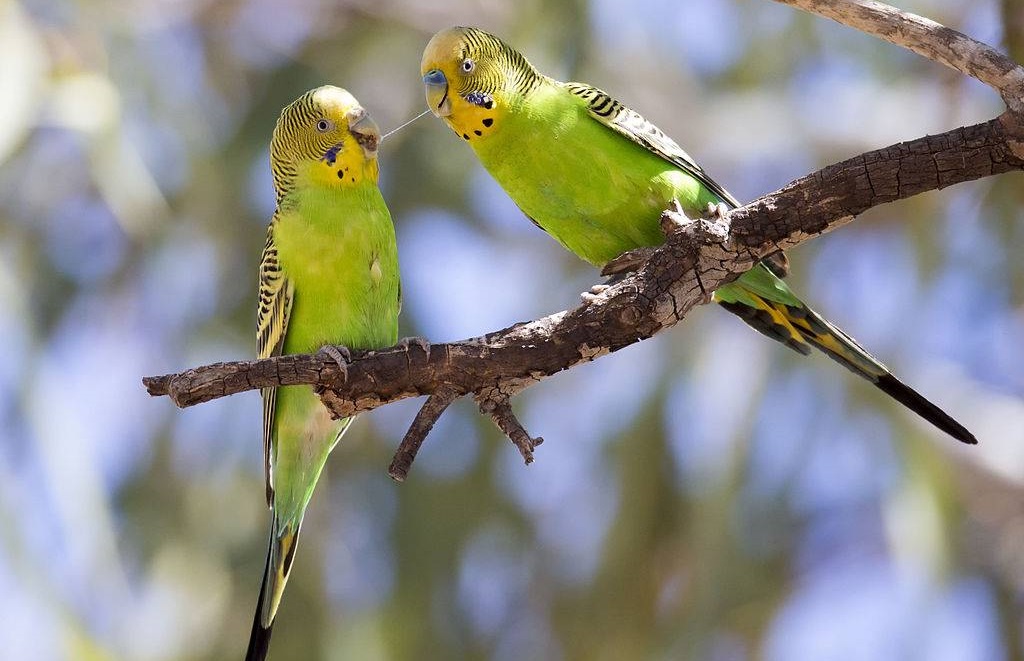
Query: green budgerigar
[[596, 175], [329, 276]]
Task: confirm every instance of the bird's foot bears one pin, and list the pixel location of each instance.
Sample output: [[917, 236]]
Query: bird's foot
[[777, 263], [618, 269], [594, 293], [673, 218], [340, 355], [627, 262], [716, 211], [421, 342]]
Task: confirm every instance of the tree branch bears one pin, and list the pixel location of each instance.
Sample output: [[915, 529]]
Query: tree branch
[[698, 257], [421, 425]]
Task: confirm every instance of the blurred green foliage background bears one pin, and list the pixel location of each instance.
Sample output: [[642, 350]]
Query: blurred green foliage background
[[703, 495]]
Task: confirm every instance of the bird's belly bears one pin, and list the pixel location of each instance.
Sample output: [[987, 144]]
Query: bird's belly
[[342, 296], [354, 312]]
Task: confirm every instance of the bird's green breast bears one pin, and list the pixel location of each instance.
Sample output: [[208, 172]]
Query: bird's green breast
[[594, 190], [337, 247]]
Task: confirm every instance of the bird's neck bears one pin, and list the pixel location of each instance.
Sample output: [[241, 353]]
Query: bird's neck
[[344, 171], [341, 172], [328, 199]]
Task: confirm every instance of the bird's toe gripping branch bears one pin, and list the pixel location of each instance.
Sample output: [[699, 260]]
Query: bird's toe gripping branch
[[672, 220], [626, 263], [715, 212], [340, 355], [420, 342], [711, 227], [594, 293], [706, 237]]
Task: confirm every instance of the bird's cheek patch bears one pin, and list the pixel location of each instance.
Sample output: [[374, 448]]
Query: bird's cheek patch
[[331, 155], [480, 99]]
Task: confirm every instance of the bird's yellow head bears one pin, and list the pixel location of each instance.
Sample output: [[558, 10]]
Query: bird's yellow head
[[323, 137], [473, 79]]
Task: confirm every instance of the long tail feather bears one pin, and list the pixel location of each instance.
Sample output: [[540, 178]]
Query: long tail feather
[[259, 638], [914, 401], [800, 328]]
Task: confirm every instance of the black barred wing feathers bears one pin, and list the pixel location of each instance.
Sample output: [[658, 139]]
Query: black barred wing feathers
[[275, 304], [625, 121]]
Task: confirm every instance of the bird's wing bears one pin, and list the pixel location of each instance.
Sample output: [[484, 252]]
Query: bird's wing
[[276, 295], [613, 114]]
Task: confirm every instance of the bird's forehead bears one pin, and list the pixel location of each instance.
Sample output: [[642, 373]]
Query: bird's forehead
[[445, 46], [334, 101]]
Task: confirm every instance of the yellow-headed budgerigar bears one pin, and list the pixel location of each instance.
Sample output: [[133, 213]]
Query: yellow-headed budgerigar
[[596, 175], [329, 276]]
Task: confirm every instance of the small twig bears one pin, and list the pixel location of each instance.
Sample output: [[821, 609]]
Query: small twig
[[498, 408], [418, 430]]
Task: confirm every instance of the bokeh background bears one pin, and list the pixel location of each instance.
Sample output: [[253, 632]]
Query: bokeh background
[[703, 495]]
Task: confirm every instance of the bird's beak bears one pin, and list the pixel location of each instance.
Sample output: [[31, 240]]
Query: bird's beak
[[436, 86], [364, 130]]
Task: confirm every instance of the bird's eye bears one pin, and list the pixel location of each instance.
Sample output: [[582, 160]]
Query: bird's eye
[[468, 65], [323, 126]]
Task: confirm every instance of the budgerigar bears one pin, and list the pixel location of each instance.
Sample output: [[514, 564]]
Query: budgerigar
[[329, 276], [596, 175]]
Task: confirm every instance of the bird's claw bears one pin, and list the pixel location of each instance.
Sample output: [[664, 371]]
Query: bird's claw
[[340, 355], [777, 263], [627, 262], [716, 211], [421, 342], [594, 293]]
